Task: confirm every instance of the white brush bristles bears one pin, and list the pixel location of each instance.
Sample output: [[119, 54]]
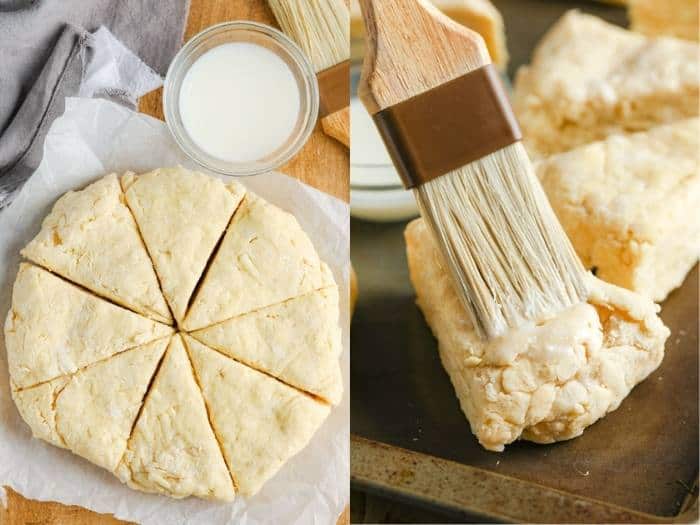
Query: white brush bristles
[[320, 27], [504, 246]]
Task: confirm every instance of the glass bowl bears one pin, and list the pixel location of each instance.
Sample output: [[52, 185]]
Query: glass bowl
[[271, 39]]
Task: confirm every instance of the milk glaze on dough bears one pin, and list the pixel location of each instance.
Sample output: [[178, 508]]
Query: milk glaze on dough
[[545, 382], [96, 365]]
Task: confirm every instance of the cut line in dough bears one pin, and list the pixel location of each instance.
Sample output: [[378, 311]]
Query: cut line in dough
[[297, 341], [181, 216], [90, 412], [172, 449], [261, 422], [54, 328], [71, 243]]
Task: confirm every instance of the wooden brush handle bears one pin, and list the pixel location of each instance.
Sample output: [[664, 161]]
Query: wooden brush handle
[[411, 48]]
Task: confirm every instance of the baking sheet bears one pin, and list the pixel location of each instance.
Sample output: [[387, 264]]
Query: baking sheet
[[95, 137], [643, 456]]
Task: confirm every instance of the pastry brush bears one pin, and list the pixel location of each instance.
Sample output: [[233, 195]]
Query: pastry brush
[[322, 29], [447, 123]]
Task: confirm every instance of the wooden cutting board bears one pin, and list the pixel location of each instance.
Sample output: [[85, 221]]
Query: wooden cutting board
[[323, 163]]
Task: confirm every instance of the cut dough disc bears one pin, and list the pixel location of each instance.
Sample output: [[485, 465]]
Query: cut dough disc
[[73, 240], [92, 411], [173, 450], [55, 328], [297, 341], [181, 215], [265, 258], [260, 422]]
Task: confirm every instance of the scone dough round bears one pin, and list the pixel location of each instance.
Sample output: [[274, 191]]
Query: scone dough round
[[178, 331]]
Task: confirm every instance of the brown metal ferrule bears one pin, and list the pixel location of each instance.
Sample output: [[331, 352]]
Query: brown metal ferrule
[[448, 126], [334, 88]]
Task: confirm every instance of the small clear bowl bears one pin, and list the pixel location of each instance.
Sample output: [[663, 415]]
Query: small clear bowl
[[271, 39]]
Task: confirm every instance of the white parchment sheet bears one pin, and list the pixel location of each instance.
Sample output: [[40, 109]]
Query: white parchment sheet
[[95, 137]]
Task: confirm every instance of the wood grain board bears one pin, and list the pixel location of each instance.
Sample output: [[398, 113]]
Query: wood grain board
[[323, 163]]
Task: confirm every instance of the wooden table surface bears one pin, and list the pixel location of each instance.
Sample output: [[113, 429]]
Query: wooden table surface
[[322, 163]]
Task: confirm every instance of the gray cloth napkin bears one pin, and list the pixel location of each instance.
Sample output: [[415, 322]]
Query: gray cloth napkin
[[45, 45]]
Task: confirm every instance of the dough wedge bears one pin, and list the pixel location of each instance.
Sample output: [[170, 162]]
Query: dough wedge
[[546, 382], [173, 450], [92, 411], [630, 205], [297, 341], [260, 422], [55, 328], [181, 215], [589, 79], [90, 238], [265, 258]]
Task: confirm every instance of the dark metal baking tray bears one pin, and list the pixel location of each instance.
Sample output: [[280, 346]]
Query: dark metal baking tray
[[411, 440]]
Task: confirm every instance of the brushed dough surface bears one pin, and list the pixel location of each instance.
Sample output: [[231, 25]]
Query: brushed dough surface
[[96, 374], [73, 242], [260, 422], [181, 215], [173, 450], [541, 383]]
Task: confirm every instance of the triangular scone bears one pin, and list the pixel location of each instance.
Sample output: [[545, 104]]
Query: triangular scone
[[173, 450], [589, 79], [297, 341], [265, 258], [90, 238], [181, 215], [92, 412], [260, 422], [54, 328], [545, 382]]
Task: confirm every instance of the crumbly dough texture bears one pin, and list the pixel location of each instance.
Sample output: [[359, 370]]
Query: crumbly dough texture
[[92, 411], [297, 341], [265, 258], [260, 422], [630, 205], [91, 373], [541, 383], [72, 244], [55, 328], [589, 79], [181, 215], [678, 18], [173, 450]]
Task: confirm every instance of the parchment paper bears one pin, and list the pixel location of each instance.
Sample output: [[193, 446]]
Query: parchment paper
[[95, 137]]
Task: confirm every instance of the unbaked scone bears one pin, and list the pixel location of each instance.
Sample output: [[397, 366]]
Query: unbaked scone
[[259, 421], [297, 341], [630, 205], [92, 411], [55, 328], [89, 375], [181, 215], [589, 79], [265, 258], [172, 449], [677, 18], [544, 382], [73, 241]]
